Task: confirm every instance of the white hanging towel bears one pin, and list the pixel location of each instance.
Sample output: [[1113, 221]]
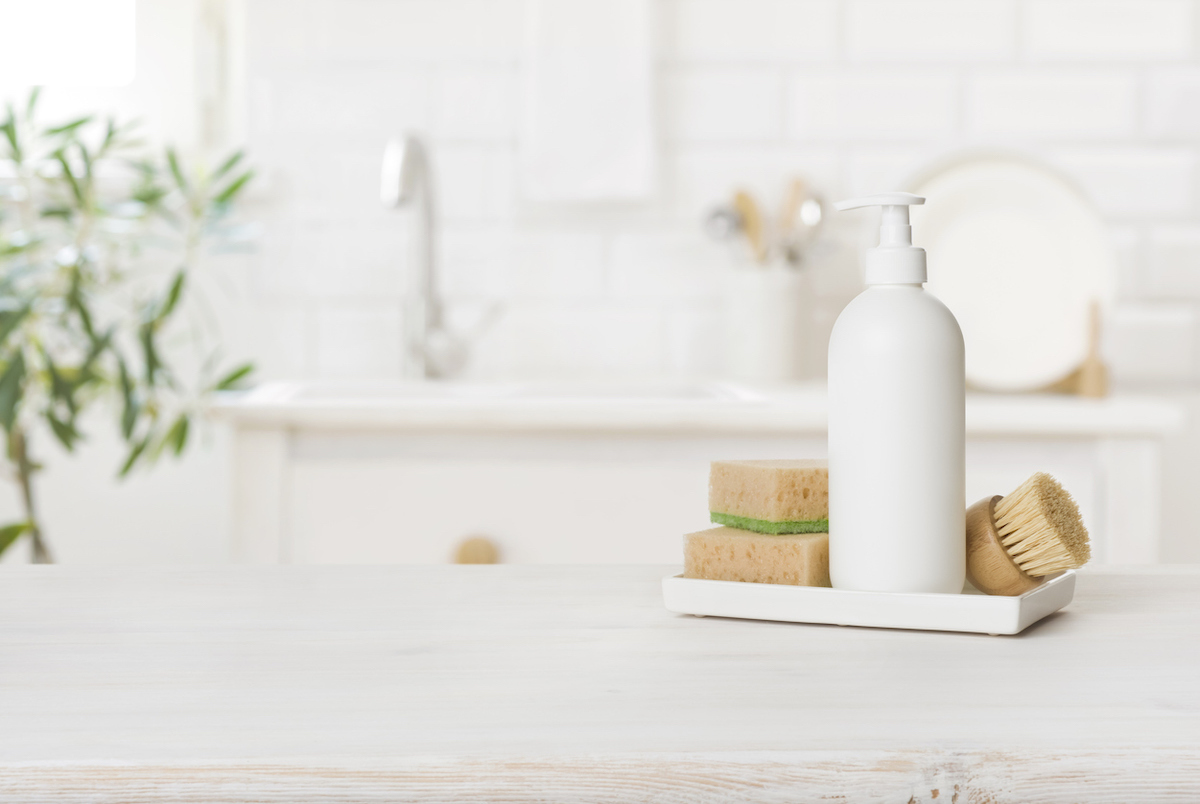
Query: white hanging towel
[[587, 107]]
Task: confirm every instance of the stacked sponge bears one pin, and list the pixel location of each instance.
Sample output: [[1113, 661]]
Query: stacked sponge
[[770, 496], [776, 518]]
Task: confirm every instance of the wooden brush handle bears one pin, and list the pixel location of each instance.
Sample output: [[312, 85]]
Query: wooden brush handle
[[989, 567]]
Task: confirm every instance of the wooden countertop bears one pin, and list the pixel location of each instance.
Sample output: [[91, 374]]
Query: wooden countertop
[[564, 684]]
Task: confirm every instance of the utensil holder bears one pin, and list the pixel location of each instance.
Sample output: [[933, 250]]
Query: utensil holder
[[768, 323]]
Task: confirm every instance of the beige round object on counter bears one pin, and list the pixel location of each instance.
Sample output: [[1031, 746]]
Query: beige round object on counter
[[477, 550]]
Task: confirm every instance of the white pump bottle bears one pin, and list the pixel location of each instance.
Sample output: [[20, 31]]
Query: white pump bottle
[[896, 424]]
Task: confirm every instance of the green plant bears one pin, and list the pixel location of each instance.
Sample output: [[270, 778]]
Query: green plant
[[97, 242]]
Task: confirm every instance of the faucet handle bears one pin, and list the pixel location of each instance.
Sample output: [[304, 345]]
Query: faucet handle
[[403, 158]]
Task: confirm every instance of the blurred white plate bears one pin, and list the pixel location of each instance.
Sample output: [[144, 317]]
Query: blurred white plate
[[1018, 254]]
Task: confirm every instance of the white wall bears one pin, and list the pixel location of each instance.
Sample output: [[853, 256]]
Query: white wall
[[855, 95]]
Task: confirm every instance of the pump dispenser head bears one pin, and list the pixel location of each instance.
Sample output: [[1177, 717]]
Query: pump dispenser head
[[896, 261]]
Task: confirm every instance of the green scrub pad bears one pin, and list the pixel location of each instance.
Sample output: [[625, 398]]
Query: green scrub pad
[[773, 528]]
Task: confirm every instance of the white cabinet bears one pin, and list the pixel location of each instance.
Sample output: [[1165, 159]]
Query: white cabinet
[[577, 487], [540, 499]]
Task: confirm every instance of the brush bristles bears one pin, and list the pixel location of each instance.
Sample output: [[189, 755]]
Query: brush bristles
[[1040, 527]]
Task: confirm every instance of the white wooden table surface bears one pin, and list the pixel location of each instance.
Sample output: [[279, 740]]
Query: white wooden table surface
[[324, 684]]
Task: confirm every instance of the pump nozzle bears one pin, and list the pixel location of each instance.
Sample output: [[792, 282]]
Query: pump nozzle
[[881, 200], [896, 260]]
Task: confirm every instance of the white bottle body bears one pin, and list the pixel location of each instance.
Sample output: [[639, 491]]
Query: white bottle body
[[897, 444]]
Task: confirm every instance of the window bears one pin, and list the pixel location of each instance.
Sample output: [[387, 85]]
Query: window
[[67, 42]]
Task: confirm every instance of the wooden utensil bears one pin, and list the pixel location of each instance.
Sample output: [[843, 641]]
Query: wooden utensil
[[752, 224]]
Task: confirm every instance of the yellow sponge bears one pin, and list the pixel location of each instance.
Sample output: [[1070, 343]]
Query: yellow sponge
[[770, 496], [729, 554]]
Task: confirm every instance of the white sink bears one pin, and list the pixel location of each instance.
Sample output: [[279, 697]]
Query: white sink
[[384, 393]]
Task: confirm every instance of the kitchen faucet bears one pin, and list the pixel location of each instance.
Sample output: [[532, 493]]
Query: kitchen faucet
[[428, 350]]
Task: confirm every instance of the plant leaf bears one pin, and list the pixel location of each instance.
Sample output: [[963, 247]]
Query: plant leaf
[[149, 194], [176, 171], [156, 372], [149, 352], [68, 128], [172, 298], [10, 533], [231, 380], [31, 104], [100, 344], [57, 211], [15, 244], [10, 390], [75, 299], [11, 319], [60, 388], [144, 168], [132, 124], [134, 454], [63, 430], [228, 165], [227, 195], [131, 409], [9, 127], [176, 437], [87, 163], [61, 157], [110, 134]]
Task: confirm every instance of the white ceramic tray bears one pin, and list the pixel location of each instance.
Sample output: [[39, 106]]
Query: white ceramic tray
[[971, 611]]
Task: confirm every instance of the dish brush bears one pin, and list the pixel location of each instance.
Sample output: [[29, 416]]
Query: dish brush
[[1015, 542]]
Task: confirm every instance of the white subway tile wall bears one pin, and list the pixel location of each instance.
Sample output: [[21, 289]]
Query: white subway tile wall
[[772, 31], [854, 96], [1029, 104], [1109, 29], [931, 31]]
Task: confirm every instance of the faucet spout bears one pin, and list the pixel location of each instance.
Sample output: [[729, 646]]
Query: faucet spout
[[406, 181]]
